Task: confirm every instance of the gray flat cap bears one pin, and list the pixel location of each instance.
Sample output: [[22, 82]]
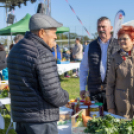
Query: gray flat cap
[[39, 21]]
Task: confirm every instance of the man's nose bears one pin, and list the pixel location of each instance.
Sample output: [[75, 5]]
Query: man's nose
[[101, 29], [55, 36]]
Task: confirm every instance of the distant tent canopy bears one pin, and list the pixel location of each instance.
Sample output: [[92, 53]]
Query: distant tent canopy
[[22, 26], [62, 29], [19, 27]]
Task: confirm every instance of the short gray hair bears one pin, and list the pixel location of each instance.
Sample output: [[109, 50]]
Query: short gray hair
[[102, 19], [18, 37]]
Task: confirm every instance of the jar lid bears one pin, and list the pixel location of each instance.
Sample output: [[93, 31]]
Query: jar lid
[[94, 106], [83, 107], [99, 104]]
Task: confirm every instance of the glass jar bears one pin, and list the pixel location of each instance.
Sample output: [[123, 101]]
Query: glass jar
[[94, 111]]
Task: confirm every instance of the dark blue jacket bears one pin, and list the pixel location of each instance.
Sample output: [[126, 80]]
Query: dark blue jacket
[[36, 94], [66, 56]]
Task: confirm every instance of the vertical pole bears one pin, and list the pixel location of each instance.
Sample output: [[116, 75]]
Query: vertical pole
[[6, 12], [75, 32], [50, 7], [61, 39], [82, 36], [45, 7], [7, 25], [69, 39]]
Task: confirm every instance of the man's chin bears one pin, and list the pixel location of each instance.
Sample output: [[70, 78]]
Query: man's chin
[[53, 45], [102, 37]]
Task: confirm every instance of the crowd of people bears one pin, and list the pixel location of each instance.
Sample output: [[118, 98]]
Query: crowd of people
[[74, 54], [106, 71]]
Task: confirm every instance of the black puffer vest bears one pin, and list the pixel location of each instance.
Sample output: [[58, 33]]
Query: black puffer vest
[[94, 60]]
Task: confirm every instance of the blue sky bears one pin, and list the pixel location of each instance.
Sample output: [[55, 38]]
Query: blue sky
[[87, 10]]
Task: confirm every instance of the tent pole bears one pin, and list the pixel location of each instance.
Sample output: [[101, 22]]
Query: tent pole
[[11, 37], [11, 42], [69, 39], [6, 12]]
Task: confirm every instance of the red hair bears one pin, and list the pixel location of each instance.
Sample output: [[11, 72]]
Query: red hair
[[127, 30]]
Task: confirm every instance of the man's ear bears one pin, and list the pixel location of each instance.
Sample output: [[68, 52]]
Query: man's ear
[[41, 33]]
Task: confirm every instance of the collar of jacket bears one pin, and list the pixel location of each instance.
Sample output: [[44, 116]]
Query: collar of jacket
[[30, 35], [109, 41], [124, 53]]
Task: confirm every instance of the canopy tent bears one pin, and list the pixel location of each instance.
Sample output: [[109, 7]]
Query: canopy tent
[[18, 27], [62, 29], [22, 26], [129, 23]]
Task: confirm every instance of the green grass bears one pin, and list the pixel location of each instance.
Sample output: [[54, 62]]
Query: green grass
[[69, 84], [72, 86]]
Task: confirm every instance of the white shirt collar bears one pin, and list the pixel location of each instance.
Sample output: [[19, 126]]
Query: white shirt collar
[[103, 42]]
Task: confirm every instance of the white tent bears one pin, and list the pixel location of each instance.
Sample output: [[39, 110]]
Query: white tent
[[129, 23]]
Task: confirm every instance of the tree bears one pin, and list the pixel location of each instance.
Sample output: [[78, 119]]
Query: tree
[[95, 35], [86, 38], [73, 35]]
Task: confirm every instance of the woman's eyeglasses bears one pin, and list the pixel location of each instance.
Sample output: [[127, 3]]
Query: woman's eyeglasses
[[124, 39]]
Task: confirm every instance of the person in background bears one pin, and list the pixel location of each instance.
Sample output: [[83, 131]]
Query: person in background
[[77, 51], [71, 54], [77, 54], [3, 63], [11, 46], [97, 61], [85, 45], [56, 52], [66, 56], [120, 81], [35, 88], [17, 38]]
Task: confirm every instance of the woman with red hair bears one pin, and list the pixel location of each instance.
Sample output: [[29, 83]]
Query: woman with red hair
[[120, 86]]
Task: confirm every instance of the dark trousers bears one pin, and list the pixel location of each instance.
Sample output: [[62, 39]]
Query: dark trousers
[[37, 128], [99, 97], [66, 73]]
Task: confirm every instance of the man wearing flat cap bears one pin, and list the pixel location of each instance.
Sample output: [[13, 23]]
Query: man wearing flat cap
[[36, 93]]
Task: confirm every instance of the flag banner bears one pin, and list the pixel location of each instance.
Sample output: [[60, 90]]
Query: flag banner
[[119, 18], [77, 17]]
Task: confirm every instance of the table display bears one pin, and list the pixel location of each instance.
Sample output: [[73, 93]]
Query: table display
[[62, 68]]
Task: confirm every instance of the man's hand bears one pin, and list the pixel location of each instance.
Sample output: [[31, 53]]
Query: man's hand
[[82, 94], [112, 111]]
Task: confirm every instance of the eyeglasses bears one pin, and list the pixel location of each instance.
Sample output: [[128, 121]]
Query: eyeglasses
[[124, 39]]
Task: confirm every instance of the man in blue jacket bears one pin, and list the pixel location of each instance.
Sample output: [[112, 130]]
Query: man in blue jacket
[[57, 53], [36, 93]]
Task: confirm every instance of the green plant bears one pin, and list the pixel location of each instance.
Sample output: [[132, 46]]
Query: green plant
[[4, 93], [109, 125]]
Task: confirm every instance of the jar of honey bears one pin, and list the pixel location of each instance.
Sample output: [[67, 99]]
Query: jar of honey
[[94, 111]]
